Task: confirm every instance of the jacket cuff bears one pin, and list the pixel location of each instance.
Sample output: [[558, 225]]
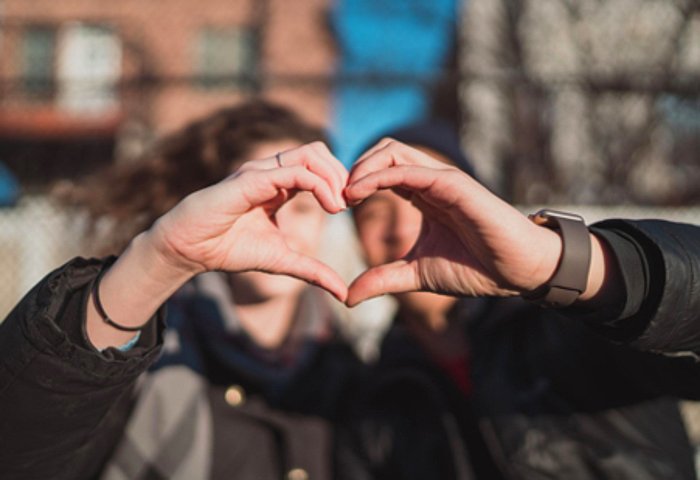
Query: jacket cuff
[[671, 309], [47, 327], [668, 317]]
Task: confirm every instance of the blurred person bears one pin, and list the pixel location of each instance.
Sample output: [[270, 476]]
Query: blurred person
[[253, 370], [500, 388]]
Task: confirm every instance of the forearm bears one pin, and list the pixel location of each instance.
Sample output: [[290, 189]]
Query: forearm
[[133, 289], [604, 278]]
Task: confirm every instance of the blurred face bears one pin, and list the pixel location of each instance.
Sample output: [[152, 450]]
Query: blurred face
[[388, 227], [301, 220]]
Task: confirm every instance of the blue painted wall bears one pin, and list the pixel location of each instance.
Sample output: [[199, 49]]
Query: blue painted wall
[[398, 38], [9, 188]]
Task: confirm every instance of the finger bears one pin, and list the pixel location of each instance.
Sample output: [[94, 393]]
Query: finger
[[410, 178], [337, 164], [395, 277], [322, 162], [377, 146], [391, 154], [257, 187], [282, 197], [300, 179], [367, 162], [313, 156], [314, 272], [322, 148]]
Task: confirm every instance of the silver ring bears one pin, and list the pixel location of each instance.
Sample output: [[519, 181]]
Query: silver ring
[[278, 157]]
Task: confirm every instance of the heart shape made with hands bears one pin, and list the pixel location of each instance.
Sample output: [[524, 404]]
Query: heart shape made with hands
[[471, 243]]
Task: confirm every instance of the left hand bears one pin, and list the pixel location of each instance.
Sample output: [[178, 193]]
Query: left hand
[[471, 243]]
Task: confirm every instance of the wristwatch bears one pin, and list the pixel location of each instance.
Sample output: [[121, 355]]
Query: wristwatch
[[571, 276]]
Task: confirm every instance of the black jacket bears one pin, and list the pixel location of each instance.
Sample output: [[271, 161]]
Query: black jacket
[[565, 394], [62, 407], [70, 412]]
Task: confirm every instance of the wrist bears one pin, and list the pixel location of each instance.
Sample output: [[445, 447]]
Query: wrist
[[570, 277], [165, 253], [600, 265], [551, 248], [131, 292], [604, 280]]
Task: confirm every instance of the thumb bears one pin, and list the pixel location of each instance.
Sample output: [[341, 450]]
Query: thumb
[[395, 277], [314, 272]]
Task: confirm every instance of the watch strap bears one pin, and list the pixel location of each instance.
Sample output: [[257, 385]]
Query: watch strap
[[571, 275]]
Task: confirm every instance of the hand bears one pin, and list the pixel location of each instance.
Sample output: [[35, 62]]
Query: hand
[[231, 225], [471, 242]]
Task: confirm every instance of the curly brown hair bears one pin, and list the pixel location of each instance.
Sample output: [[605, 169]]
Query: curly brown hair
[[132, 196]]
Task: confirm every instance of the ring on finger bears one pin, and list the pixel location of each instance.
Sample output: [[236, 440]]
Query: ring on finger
[[278, 157]]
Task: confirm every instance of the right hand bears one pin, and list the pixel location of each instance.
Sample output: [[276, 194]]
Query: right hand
[[471, 242], [231, 226]]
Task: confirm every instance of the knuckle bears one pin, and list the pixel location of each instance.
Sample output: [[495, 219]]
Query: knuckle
[[299, 170], [307, 148], [244, 175], [245, 167], [392, 146]]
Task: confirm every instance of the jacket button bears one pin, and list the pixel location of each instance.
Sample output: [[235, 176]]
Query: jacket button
[[297, 474], [235, 395]]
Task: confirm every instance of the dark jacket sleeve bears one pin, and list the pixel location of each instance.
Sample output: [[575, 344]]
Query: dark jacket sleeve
[[660, 266], [63, 404]]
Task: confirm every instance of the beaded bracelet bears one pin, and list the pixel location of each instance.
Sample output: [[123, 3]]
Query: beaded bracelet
[[101, 311]]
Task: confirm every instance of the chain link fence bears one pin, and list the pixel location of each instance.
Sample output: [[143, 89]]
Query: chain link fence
[[35, 237], [586, 102]]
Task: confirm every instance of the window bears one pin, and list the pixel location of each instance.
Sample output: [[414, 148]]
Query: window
[[89, 67], [38, 46], [226, 57]]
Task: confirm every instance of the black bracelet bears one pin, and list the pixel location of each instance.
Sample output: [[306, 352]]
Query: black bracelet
[[100, 309]]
